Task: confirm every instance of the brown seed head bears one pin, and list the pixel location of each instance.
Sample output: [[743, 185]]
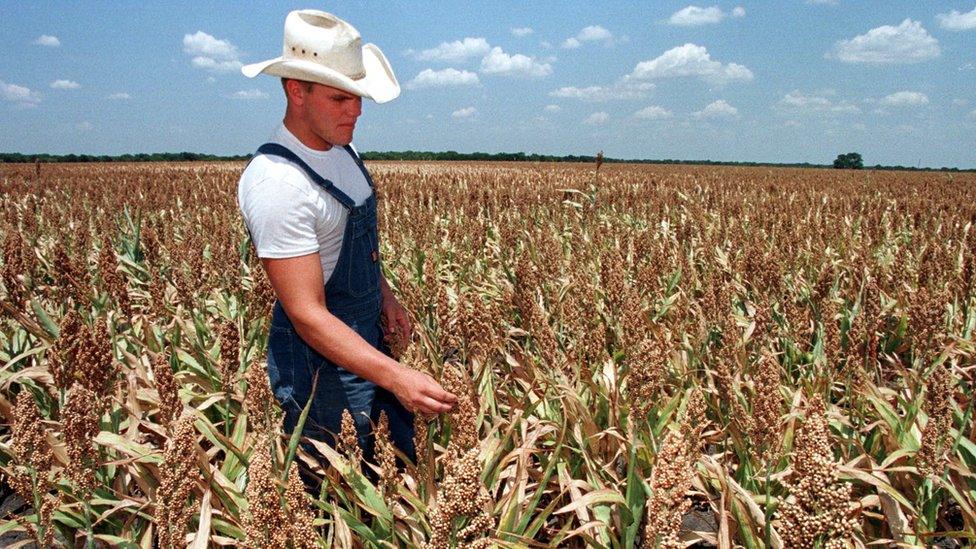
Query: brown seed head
[[80, 418], [29, 442], [648, 364], [167, 388], [259, 401], [673, 475], [349, 441], [229, 353], [178, 477], [767, 404], [464, 417], [818, 508], [265, 524], [302, 532], [14, 267], [386, 459], [933, 455], [460, 494]]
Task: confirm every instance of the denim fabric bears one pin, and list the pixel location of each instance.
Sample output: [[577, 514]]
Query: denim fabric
[[352, 294]]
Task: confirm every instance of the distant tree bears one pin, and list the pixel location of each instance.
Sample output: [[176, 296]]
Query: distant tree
[[849, 161]]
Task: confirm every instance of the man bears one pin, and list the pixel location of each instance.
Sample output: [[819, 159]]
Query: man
[[309, 205]]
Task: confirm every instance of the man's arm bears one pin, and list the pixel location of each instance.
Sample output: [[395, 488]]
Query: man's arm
[[298, 283]]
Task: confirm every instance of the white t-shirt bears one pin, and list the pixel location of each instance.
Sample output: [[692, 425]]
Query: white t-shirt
[[287, 213]]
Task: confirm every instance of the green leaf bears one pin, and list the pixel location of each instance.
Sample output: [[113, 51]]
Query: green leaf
[[296, 434], [894, 422], [524, 525], [367, 494], [218, 439], [868, 478], [636, 494], [141, 452], [364, 531], [960, 499], [603, 495], [116, 541], [232, 466], [47, 323]]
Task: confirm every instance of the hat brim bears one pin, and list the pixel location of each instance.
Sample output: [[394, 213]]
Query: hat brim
[[379, 84]]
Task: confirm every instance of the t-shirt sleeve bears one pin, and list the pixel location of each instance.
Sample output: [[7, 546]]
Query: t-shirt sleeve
[[281, 219]]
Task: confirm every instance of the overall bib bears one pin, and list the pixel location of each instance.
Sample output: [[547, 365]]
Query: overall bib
[[352, 294]]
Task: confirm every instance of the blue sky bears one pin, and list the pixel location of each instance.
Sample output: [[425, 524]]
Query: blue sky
[[776, 81]]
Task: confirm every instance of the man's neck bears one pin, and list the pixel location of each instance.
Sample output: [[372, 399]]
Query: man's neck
[[305, 135]]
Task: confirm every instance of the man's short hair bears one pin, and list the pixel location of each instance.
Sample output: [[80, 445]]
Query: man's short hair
[[284, 81]]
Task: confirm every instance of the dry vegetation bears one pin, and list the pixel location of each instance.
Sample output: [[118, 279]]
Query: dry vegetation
[[649, 356]]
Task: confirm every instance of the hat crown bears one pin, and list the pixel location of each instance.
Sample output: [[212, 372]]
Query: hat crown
[[322, 38]]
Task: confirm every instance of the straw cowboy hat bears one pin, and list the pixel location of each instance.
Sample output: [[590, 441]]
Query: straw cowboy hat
[[320, 47]]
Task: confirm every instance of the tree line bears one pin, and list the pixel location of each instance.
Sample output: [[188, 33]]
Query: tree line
[[843, 161], [138, 157]]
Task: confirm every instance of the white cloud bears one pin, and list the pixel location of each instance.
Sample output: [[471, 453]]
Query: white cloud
[[65, 85], [20, 95], [621, 90], [522, 31], [967, 67], [466, 112], [596, 119], [905, 99], [455, 51], [47, 40], [959, 102], [653, 113], [211, 64], [694, 16], [972, 114], [592, 33], [210, 53], [84, 126], [553, 108], [956, 21], [204, 44], [738, 11], [429, 78], [248, 95], [797, 102], [690, 60], [501, 63], [121, 96], [718, 109], [909, 42]]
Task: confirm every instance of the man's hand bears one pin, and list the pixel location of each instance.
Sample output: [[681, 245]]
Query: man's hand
[[396, 320], [419, 393]]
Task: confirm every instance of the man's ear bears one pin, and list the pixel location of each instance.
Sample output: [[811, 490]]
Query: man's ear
[[296, 91]]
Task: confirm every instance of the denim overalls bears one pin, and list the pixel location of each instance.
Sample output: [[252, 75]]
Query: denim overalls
[[352, 294]]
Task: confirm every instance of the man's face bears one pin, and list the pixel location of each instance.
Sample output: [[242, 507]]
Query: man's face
[[332, 113]]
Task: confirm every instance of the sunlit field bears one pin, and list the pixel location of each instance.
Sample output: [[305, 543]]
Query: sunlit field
[[653, 356]]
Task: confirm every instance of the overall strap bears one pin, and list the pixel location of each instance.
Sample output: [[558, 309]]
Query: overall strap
[[359, 163], [286, 153]]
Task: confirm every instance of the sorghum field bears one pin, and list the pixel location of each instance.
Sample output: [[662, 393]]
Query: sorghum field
[[651, 356]]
